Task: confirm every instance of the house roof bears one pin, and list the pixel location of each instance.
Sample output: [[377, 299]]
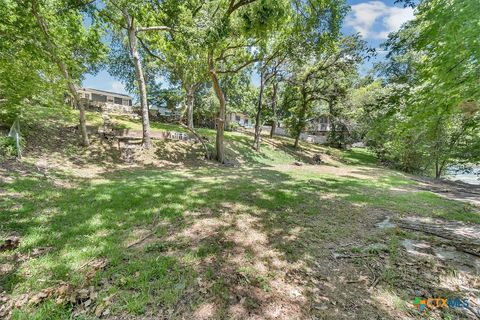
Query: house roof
[[107, 92]]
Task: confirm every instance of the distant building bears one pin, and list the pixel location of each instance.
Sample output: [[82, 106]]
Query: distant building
[[241, 119], [316, 130], [163, 111], [164, 114], [166, 105], [320, 126], [106, 101]]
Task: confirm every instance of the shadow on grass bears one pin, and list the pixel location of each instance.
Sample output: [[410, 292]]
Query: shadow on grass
[[228, 242]]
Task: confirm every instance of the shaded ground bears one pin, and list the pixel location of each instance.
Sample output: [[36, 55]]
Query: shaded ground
[[170, 237], [455, 190]]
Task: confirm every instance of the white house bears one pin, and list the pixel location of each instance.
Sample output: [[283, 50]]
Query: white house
[[319, 126], [241, 119], [316, 131], [163, 111], [106, 100]]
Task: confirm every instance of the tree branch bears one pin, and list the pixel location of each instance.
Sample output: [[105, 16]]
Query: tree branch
[[196, 10], [240, 67], [234, 6], [103, 14], [223, 55], [78, 5], [155, 28], [150, 52]]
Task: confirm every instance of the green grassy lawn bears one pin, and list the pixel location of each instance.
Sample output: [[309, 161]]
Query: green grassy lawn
[[280, 151], [99, 217], [217, 235], [125, 122]]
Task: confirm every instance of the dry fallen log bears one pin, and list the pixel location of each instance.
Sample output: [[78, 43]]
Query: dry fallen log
[[464, 237]]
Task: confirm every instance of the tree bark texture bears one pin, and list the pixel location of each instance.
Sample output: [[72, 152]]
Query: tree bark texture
[[190, 101], [301, 118], [274, 110], [140, 78], [258, 116], [63, 69], [219, 141]]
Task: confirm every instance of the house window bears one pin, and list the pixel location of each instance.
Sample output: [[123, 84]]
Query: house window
[[237, 118], [99, 98], [324, 123], [118, 100], [109, 99]]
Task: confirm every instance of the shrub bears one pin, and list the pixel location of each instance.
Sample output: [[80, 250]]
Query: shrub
[[233, 126], [8, 148]]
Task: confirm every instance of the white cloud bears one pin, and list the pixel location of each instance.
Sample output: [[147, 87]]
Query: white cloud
[[375, 20], [117, 86]]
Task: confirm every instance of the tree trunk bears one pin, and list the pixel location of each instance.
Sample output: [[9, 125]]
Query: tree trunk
[[190, 101], [274, 110], [258, 128], [199, 138], [219, 147], [438, 167], [142, 88], [301, 119], [333, 133], [295, 145], [333, 128], [83, 122], [274, 127], [66, 75], [79, 105]]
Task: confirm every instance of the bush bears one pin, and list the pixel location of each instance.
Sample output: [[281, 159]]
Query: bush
[[8, 114], [233, 126], [8, 148]]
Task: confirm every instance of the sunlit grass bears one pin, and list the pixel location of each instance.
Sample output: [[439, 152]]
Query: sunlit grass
[[99, 217]]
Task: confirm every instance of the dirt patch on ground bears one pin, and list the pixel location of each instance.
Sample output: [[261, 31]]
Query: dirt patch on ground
[[454, 190], [245, 273], [284, 265], [253, 279], [332, 167], [273, 264]]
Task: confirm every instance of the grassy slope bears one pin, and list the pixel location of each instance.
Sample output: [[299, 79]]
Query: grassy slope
[[81, 219]]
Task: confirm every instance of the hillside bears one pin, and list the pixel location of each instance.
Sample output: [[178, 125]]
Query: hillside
[[107, 233]]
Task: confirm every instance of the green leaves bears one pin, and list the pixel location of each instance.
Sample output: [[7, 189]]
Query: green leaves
[[320, 77], [264, 17], [435, 73], [28, 73]]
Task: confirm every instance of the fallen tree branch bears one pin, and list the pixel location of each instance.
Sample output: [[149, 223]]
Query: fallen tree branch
[[141, 239], [207, 152], [353, 256], [376, 279], [459, 243], [148, 235]]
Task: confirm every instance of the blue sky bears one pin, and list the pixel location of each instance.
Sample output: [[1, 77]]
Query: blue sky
[[373, 19]]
